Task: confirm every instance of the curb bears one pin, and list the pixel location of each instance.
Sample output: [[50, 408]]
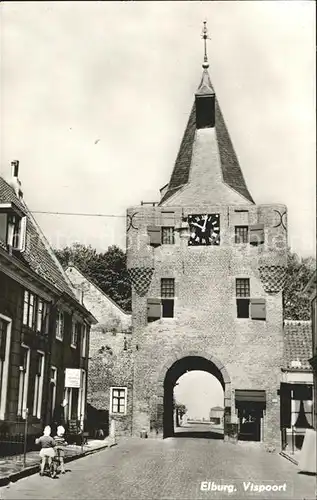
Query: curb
[[33, 469], [288, 457]]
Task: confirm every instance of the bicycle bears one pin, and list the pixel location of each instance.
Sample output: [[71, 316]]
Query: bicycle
[[49, 469]]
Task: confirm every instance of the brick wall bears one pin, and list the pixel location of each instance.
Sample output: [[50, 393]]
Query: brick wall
[[205, 322], [110, 365]]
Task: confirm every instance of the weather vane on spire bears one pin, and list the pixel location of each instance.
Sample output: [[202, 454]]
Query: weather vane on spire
[[205, 37]]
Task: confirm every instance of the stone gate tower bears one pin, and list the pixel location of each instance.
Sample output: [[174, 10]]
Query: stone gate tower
[[207, 267]]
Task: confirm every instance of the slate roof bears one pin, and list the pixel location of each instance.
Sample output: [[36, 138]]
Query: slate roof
[[232, 173], [297, 345], [38, 256]]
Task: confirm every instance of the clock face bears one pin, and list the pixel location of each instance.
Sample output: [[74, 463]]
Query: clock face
[[204, 229]]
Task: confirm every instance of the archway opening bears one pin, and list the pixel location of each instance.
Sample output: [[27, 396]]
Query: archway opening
[[193, 387]]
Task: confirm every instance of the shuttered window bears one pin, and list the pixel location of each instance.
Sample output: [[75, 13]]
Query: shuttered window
[[154, 233], [153, 309], [243, 297], [258, 309], [257, 234]]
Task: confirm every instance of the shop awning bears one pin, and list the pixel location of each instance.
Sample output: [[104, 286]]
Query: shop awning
[[248, 396]]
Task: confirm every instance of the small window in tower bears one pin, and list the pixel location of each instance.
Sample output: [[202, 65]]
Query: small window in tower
[[243, 297], [168, 236], [241, 234], [167, 296]]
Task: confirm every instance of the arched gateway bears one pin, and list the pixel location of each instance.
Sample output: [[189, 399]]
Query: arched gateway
[[177, 368]]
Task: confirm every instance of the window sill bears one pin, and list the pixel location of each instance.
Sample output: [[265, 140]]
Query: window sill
[[59, 338], [73, 346]]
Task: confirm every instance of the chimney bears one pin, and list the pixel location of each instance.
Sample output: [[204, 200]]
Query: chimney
[[15, 168], [15, 183]]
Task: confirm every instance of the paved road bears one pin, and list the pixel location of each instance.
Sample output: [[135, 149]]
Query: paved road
[[169, 469]]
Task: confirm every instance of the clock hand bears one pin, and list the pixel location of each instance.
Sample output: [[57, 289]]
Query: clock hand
[[195, 224], [204, 226]]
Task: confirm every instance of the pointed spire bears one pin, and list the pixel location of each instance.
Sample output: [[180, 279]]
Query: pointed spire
[[205, 86], [205, 37]]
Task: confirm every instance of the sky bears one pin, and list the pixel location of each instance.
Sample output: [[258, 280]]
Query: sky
[[199, 391], [95, 97]]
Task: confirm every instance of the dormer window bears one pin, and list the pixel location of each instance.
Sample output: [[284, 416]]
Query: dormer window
[[12, 226]]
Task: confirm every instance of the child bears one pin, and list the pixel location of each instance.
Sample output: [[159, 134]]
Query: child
[[47, 448], [60, 443]]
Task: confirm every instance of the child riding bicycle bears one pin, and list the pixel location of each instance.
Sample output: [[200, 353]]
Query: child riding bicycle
[[60, 444], [47, 452]]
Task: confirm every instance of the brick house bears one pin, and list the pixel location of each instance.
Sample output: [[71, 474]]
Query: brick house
[[110, 360], [207, 266], [44, 329], [296, 390]]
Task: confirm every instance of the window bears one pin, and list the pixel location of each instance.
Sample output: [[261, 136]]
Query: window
[[45, 318], [16, 232], [241, 234], [35, 313], [13, 226], [68, 403], [164, 235], [243, 297], [167, 294], [76, 326], [53, 384], [39, 316], [163, 307], [301, 406], [168, 236], [167, 287], [19, 234], [29, 309], [59, 333], [5, 339], [24, 379], [74, 334], [3, 227], [118, 400], [84, 341], [38, 386]]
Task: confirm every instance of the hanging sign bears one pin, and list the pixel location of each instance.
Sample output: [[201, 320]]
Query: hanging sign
[[72, 377]]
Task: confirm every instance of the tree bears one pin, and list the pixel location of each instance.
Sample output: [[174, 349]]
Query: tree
[[295, 304], [106, 270], [179, 410], [81, 255]]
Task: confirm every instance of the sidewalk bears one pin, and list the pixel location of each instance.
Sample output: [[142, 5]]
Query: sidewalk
[[11, 468]]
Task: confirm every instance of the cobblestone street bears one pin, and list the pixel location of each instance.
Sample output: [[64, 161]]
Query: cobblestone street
[[168, 469]]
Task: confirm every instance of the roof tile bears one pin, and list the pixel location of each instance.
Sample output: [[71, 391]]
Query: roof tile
[[297, 345], [36, 256]]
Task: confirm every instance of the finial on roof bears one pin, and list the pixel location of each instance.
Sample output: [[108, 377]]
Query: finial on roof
[[205, 37]]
